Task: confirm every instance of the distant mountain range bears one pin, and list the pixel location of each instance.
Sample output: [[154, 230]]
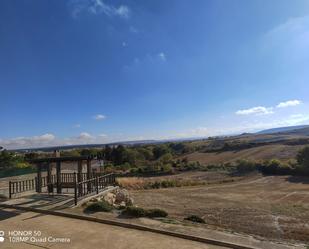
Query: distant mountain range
[[80, 146], [288, 129], [300, 130]]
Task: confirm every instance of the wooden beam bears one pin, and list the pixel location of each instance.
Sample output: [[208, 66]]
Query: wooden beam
[[89, 175], [89, 169], [39, 178], [80, 175], [60, 159], [49, 173], [58, 177]]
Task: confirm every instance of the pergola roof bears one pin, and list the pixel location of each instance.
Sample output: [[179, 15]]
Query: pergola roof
[[60, 159]]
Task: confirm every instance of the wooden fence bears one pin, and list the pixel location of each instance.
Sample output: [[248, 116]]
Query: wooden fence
[[92, 186], [21, 186], [81, 189]]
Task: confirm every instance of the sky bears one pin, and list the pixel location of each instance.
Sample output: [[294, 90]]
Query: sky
[[99, 71]]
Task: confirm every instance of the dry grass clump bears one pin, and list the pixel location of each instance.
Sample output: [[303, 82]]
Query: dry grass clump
[[137, 183], [131, 182]]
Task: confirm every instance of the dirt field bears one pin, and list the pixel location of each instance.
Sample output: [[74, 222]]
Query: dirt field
[[274, 207], [267, 152]]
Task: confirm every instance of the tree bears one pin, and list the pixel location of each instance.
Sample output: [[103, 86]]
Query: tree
[[166, 158], [31, 156], [88, 152], [303, 158], [146, 153], [8, 159], [119, 155], [160, 150], [107, 151]]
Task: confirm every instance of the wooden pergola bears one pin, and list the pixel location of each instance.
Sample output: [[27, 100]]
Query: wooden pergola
[[47, 162]]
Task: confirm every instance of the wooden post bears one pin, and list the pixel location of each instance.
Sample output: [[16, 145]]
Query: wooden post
[[97, 184], [75, 189], [88, 175], [10, 190], [39, 178], [58, 176], [49, 173], [80, 177], [88, 168]]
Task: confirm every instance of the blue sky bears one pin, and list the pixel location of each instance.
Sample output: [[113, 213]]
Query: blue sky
[[86, 71]]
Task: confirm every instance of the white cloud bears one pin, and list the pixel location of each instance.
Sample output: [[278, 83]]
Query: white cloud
[[162, 56], [258, 110], [134, 30], [289, 41], [289, 103], [99, 117], [147, 60], [84, 136], [97, 7], [18, 142], [49, 140], [76, 126], [123, 11], [196, 132]]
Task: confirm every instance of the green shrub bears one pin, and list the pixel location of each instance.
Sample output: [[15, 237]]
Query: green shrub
[[156, 185], [100, 206], [134, 170], [156, 213], [134, 212], [141, 212], [244, 166], [167, 168], [303, 157], [276, 167], [195, 218]]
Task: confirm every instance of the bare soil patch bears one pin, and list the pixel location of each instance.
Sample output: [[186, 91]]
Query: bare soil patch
[[273, 207]]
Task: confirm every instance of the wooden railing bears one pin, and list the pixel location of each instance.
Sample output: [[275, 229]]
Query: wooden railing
[[16, 187], [91, 186], [81, 189]]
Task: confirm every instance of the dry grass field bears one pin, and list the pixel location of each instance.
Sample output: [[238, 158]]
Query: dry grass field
[[267, 152], [273, 207], [191, 178]]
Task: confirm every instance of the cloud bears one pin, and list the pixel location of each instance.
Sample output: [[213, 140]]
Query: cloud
[[162, 56], [49, 140], [196, 132], [147, 60], [258, 110], [18, 142], [84, 135], [76, 126], [261, 110], [288, 103], [97, 7], [134, 30], [252, 126], [99, 117], [123, 11], [289, 40]]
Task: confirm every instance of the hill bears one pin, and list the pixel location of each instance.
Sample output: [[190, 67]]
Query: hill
[[284, 129]]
